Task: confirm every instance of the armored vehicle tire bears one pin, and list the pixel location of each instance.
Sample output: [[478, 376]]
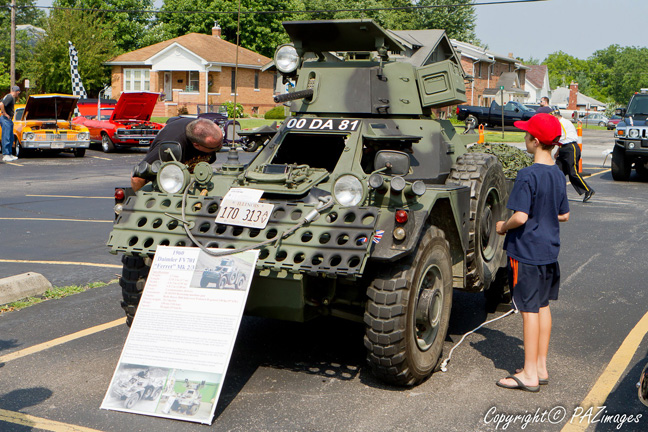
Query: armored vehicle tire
[[106, 143], [80, 152], [193, 409], [499, 291], [156, 393], [408, 311], [204, 282], [132, 400], [135, 270], [250, 145], [240, 283], [147, 392], [484, 175], [621, 166], [222, 282]]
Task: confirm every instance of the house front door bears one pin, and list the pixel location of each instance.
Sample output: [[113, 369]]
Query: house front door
[[168, 89]]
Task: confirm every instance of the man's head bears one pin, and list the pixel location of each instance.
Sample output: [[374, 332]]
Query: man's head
[[544, 101], [15, 91], [542, 127], [205, 135], [556, 113]]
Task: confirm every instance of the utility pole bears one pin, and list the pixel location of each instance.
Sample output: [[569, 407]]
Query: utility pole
[[13, 43]]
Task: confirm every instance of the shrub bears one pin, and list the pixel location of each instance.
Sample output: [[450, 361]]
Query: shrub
[[276, 113], [182, 110], [230, 109]]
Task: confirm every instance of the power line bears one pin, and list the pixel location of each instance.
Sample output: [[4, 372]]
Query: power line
[[279, 12]]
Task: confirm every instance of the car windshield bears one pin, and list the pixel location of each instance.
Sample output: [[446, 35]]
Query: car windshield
[[638, 106]]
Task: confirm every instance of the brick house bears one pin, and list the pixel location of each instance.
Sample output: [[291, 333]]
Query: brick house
[[195, 71], [487, 72], [537, 83]]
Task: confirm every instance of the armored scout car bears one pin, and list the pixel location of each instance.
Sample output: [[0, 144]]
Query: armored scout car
[[377, 211]]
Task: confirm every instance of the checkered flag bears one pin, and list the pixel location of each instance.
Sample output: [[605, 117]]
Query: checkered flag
[[77, 85]]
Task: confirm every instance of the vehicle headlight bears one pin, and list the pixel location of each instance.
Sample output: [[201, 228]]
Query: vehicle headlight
[[29, 136], [286, 59], [173, 178], [82, 136], [348, 190], [633, 133]]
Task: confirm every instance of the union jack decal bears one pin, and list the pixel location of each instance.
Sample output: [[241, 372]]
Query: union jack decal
[[378, 235]]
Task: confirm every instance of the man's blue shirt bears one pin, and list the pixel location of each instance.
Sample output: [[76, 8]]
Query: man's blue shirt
[[539, 191]]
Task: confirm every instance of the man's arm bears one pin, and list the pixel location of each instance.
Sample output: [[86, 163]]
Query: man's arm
[[563, 217], [517, 220], [2, 110], [137, 183]]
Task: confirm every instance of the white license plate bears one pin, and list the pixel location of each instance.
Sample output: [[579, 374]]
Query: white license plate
[[243, 213], [58, 145]]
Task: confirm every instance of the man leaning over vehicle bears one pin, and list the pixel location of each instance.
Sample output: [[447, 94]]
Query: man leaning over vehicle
[[200, 139]]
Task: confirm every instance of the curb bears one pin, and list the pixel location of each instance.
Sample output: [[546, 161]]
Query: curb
[[22, 286]]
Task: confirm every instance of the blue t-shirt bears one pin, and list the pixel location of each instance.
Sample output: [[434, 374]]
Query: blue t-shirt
[[539, 191]]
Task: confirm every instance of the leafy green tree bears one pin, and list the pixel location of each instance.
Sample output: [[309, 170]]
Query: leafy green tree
[[5, 80], [49, 69], [25, 14], [457, 21], [129, 29], [260, 32], [629, 73], [564, 68]]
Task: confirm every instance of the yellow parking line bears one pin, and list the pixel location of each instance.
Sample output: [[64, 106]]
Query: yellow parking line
[[612, 373], [14, 163], [71, 196], [37, 423], [99, 157], [57, 219], [58, 341], [61, 263]]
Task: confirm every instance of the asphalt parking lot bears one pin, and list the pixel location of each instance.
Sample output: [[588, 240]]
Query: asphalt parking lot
[[57, 358]]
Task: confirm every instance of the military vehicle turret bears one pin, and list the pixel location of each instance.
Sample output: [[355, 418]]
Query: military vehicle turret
[[378, 211]]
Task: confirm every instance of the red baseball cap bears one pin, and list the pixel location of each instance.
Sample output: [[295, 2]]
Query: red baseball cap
[[543, 126]]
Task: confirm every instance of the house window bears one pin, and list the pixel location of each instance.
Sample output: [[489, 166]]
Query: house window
[[256, 80], [192, 81], [479, 71], [233, 80], [137, 79]]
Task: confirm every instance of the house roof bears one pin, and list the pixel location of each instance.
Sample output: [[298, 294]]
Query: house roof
[[478, 53], [511, 85], [536, 75], [560, 96], [423, 45], [210, 48]]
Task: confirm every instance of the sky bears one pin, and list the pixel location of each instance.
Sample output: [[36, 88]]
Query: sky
[[576, 27], [536, 29]]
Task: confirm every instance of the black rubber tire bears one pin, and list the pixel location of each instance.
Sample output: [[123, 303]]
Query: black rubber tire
[[132, 400], [642, 170], [250, 145], [621, 166], [19, 151], [240, 282], [488, 195], [602, 124], [193, 409], [135, 270], [401, 348], [156, 394], [147, 392], [222, 281], [499, 291], [204, 283], [107, 144], [80, 152]]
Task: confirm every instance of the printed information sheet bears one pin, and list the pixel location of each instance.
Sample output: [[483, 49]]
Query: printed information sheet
[[176, 355]]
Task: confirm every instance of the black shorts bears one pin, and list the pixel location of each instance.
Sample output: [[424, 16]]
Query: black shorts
[[533, 285]]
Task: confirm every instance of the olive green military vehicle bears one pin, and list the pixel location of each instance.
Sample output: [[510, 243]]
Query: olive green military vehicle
[[376, 209]]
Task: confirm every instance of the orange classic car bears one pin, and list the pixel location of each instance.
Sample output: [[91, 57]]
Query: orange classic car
[[44, 124]]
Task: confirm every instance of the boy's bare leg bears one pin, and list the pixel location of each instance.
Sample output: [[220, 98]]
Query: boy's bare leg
[[543, 343], [531, 331]]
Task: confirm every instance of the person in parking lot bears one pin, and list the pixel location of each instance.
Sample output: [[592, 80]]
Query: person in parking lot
[[200, 139], [6, 122], [539, 203], [544, 106], [569, 154]]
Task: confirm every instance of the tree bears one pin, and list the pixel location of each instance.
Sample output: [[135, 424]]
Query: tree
[[25, 14], [49, 69], [564, 68], [457, 21], [629, 73], [128, 26]]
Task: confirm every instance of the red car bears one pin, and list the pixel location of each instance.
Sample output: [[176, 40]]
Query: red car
[[128, 124]]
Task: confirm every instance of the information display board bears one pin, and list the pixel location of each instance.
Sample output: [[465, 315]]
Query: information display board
[[176, 354]]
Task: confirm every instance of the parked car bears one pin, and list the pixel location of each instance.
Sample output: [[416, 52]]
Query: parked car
[[492, 116], [43, 125], [613, 122], [595, 119], [129, 124]]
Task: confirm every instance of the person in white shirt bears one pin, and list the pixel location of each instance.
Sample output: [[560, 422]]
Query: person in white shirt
[[569, 154]]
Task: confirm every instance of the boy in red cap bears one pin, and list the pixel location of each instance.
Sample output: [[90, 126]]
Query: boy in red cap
[[539, 202]]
